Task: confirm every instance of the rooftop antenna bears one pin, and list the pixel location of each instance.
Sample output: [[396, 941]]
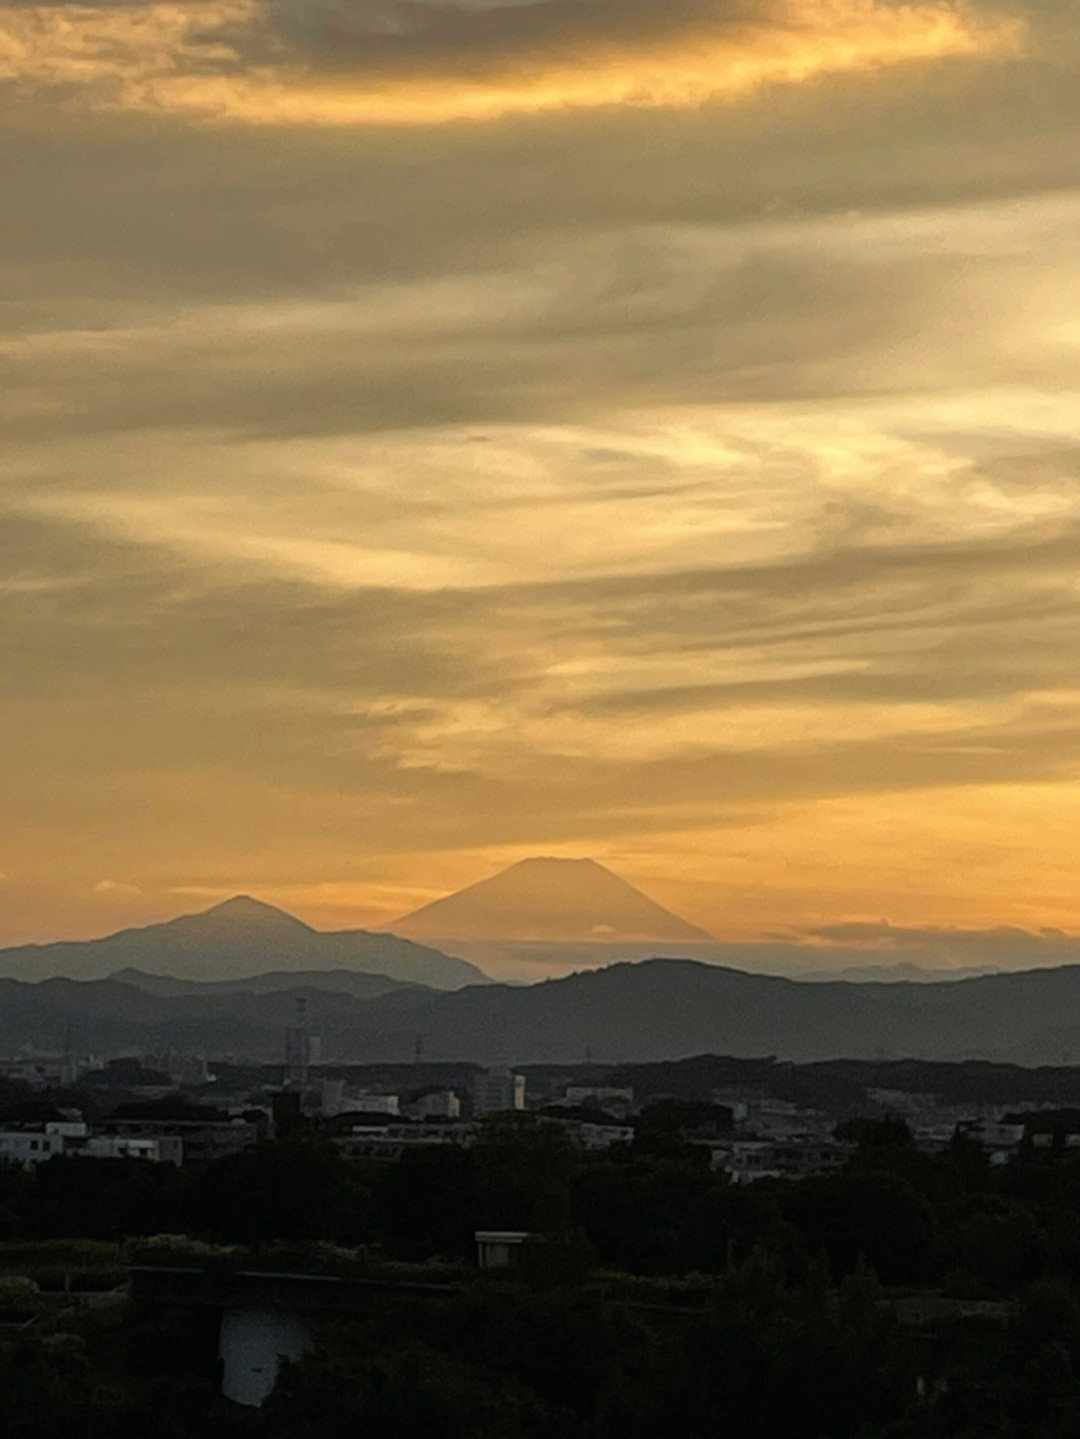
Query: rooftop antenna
[[504, 1045], [68, 1067], [590, 1020]]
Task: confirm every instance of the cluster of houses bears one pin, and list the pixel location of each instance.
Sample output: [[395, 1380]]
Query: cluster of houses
[[154, 1142], [766, 1138]]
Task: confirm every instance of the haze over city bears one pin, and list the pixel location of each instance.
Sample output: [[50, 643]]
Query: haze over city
[[441, 434]]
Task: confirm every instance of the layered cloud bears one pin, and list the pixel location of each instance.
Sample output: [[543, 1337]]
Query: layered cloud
[[828, 616], [340, 63], [841, 704], [686, 483]]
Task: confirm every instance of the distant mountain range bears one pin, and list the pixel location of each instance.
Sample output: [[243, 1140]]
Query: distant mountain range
[[354, 983], [902, 971], [657, 1009], [240, 938], [227, 981], [673, 1008], [556, 901]]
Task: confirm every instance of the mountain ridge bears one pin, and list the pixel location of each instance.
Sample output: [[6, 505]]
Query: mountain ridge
[[543, 898], [357, 983], [652, 1010], [239, 938]]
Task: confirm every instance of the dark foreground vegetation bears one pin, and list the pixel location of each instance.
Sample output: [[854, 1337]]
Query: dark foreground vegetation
[[905, 1298]]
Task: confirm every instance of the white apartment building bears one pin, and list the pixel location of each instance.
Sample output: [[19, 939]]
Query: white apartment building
[[30, 1147]]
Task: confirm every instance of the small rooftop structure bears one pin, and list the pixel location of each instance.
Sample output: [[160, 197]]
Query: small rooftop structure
[[499, 1248]]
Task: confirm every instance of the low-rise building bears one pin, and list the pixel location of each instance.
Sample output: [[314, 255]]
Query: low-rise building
[[440, 1104], [593, 1137], [164, 1149], [369, 1102], [746, 1160], [42, 1071], [391, 1141], [499, 1248], [497, 1090], [778, 1119], [612, 1099], [201, 1140], [189, 1071], [29, 1147]]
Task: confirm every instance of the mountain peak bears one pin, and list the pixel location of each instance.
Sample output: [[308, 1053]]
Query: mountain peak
[[557, 864], [244, 906], [242, 915], [551, 900], [235, 939]]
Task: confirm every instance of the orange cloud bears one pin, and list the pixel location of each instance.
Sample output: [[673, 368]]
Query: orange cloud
[[189, 59]]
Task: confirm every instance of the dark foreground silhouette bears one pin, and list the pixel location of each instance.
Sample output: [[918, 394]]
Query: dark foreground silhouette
[[908, 1296]]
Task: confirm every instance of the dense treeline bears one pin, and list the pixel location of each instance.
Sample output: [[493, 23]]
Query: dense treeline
[[503, 1361], [837, 1085], [651, 1207], [773, 1310]]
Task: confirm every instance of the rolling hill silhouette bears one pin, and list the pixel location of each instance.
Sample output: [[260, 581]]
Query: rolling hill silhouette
[[240, 938], [557, 901], [656, 1009]]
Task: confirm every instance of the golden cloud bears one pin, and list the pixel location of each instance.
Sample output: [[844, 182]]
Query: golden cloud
[[191, 59]]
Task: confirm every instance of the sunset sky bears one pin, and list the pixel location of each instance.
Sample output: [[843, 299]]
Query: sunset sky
[[436, 432]]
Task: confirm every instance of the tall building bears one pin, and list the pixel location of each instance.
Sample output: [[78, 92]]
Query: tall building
[[302, 1050], [495, 1090]]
